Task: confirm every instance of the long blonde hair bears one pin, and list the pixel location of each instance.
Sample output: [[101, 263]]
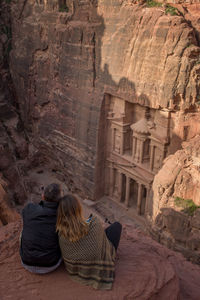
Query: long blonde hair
[[70, 221]]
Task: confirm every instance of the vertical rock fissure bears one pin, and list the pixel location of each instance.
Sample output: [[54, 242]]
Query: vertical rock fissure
[[22, 10], [81, 47], [94, 58]]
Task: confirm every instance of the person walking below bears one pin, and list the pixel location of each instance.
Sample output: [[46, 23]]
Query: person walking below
[[87, 252]]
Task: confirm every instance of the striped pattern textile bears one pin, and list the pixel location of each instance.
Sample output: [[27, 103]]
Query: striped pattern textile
[[90, 260]]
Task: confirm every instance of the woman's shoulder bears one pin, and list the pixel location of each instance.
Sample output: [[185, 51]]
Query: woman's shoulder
[[95, 223]]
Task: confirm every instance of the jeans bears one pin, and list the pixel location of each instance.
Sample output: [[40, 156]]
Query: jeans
[[113, 233]]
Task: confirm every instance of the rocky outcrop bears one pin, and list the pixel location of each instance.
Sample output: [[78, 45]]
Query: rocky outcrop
[[7, 214], [144, 270], [178, 1], [78, 54], [176, 200], [179, 177], [156, 50]]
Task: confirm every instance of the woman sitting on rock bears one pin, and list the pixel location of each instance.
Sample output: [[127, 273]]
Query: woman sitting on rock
[[87, 250]]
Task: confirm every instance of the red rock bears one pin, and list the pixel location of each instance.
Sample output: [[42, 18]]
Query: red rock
[[141, 273], [195, 222], [179, 177], [7, 214], [144, 270], [71, 61]]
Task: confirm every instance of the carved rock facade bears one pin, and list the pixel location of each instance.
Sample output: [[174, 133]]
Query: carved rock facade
[[80, 62], [137, 142]]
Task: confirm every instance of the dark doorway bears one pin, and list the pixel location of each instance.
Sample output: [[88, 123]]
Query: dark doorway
[[143, 200], [133, 193], [123, 193]]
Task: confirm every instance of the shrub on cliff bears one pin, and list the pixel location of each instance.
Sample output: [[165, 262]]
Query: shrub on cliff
[[151, 3], [173, 11], [188, 205]]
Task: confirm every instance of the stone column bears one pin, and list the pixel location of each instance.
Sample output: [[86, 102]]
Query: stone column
[[127, 190], [138, 153], [120, 186], [113, 139], [133, 148], [141, 151], [151, 157], [122, 143], [136, 149], [111, 180], [139, 199], [147, 202]]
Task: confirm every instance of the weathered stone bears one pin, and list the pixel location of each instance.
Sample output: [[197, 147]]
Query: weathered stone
[[193, 242], [7, 214], [102, 67], [195, 222], [179, 177], [93, 53], [176, 223]]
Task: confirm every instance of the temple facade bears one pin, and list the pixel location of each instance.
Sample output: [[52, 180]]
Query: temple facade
[[136, 145]]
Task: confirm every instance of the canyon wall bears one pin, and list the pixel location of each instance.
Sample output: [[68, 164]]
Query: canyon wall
[[13, 142], [68, 56], [176, 212]]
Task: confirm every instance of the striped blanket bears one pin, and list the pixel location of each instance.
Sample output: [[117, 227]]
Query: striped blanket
[[91, 259]]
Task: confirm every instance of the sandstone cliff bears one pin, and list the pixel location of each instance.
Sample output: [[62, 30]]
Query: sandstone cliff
[[76, 65], [176, 201], [64, 62], [13, 142]]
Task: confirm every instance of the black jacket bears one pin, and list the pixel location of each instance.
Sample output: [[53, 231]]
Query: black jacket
[[39, 241]]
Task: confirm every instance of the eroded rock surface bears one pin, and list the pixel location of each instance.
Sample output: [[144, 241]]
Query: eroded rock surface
[[64, 64], [13, 143], [72, 59], [144, 270], [179, 177], [7, 214]]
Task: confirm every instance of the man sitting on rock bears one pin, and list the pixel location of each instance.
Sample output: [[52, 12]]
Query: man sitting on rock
[[39, 249]]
